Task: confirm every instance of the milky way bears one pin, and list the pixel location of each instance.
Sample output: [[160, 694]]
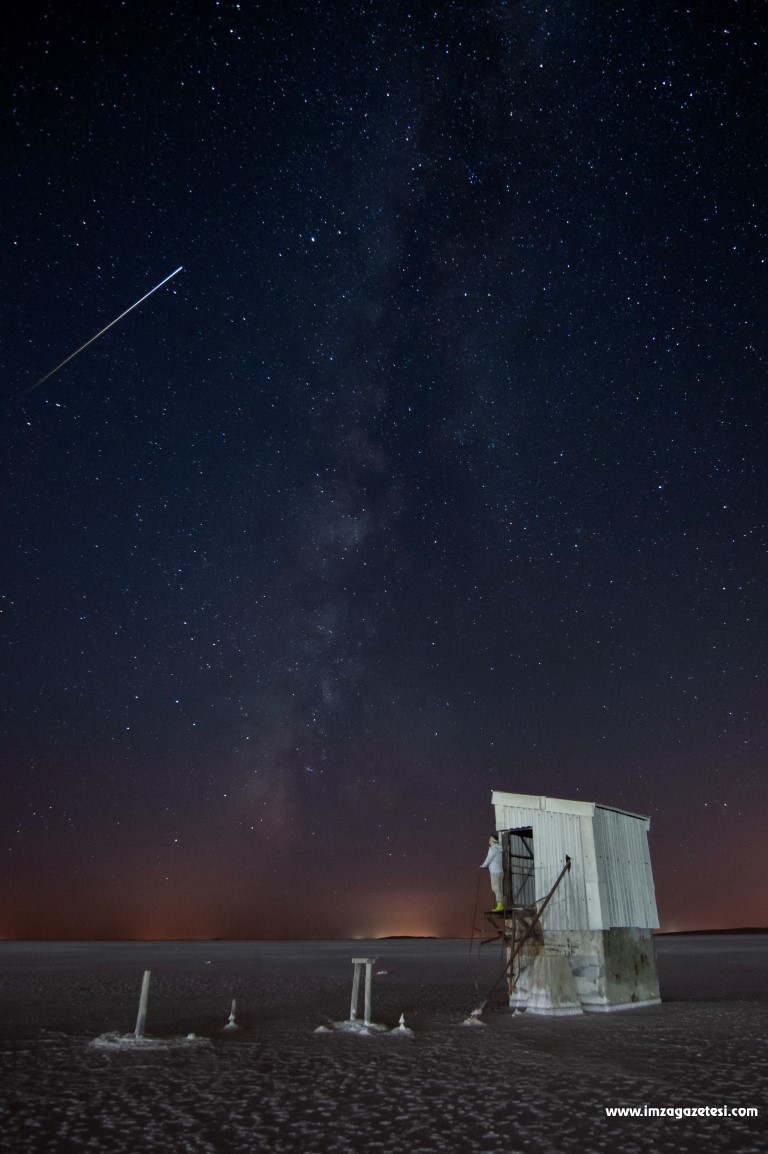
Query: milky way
[[440, 470]]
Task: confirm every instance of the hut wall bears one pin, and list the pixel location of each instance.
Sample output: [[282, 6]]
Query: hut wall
[[624, 869], [557, 832]]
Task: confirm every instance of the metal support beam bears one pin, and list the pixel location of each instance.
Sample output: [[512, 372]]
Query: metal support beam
[[527, 934]]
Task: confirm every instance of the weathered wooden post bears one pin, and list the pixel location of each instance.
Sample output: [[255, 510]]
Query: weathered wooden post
[[368, 972], [355, 990], [368, 963], [142, 1015]]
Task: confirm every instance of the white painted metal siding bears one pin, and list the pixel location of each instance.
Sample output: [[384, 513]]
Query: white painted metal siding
[[624, 869], [610, 883], [555, 834]]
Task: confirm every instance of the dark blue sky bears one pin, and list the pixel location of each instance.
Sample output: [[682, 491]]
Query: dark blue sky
[[439, 468]]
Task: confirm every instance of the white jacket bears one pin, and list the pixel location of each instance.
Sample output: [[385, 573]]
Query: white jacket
[[493, 860]]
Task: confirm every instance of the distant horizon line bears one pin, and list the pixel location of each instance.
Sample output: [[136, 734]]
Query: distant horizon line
[[383, 938]]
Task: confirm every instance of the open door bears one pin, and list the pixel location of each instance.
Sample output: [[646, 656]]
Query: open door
[[519, 867]]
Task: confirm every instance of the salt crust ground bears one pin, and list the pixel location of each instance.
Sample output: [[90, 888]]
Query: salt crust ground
[[523, 1084]]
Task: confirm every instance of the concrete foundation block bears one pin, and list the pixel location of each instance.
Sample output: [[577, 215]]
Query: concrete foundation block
[[552, 990], [608, 969]]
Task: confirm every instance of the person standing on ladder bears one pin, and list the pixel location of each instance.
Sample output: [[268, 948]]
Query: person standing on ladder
[[493, 863]]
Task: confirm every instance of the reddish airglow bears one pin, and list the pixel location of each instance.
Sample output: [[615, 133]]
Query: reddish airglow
[[129, 895]]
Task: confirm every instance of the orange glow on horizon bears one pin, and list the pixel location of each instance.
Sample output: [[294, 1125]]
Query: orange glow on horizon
[[404, 915]]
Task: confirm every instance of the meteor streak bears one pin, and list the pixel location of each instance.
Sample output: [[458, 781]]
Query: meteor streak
[[101, 332]]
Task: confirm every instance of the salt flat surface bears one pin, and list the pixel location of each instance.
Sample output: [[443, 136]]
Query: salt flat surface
[[523, 1084]]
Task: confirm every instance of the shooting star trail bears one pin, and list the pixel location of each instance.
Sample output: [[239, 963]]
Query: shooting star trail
[[101, 332]]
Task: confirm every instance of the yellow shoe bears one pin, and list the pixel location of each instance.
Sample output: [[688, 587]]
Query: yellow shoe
[[498, 909]]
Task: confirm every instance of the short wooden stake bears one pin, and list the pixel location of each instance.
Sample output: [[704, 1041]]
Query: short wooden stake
[[231, 1024]]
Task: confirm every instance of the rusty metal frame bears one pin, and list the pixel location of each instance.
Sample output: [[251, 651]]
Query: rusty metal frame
[[527, 934]]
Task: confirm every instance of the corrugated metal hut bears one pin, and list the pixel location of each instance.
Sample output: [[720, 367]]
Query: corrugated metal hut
[[592, 948]]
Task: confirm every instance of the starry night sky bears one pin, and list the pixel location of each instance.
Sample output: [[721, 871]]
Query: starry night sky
[[440, 467]]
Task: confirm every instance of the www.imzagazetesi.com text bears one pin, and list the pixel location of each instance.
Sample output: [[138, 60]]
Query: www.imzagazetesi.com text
[[724, 1111]]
